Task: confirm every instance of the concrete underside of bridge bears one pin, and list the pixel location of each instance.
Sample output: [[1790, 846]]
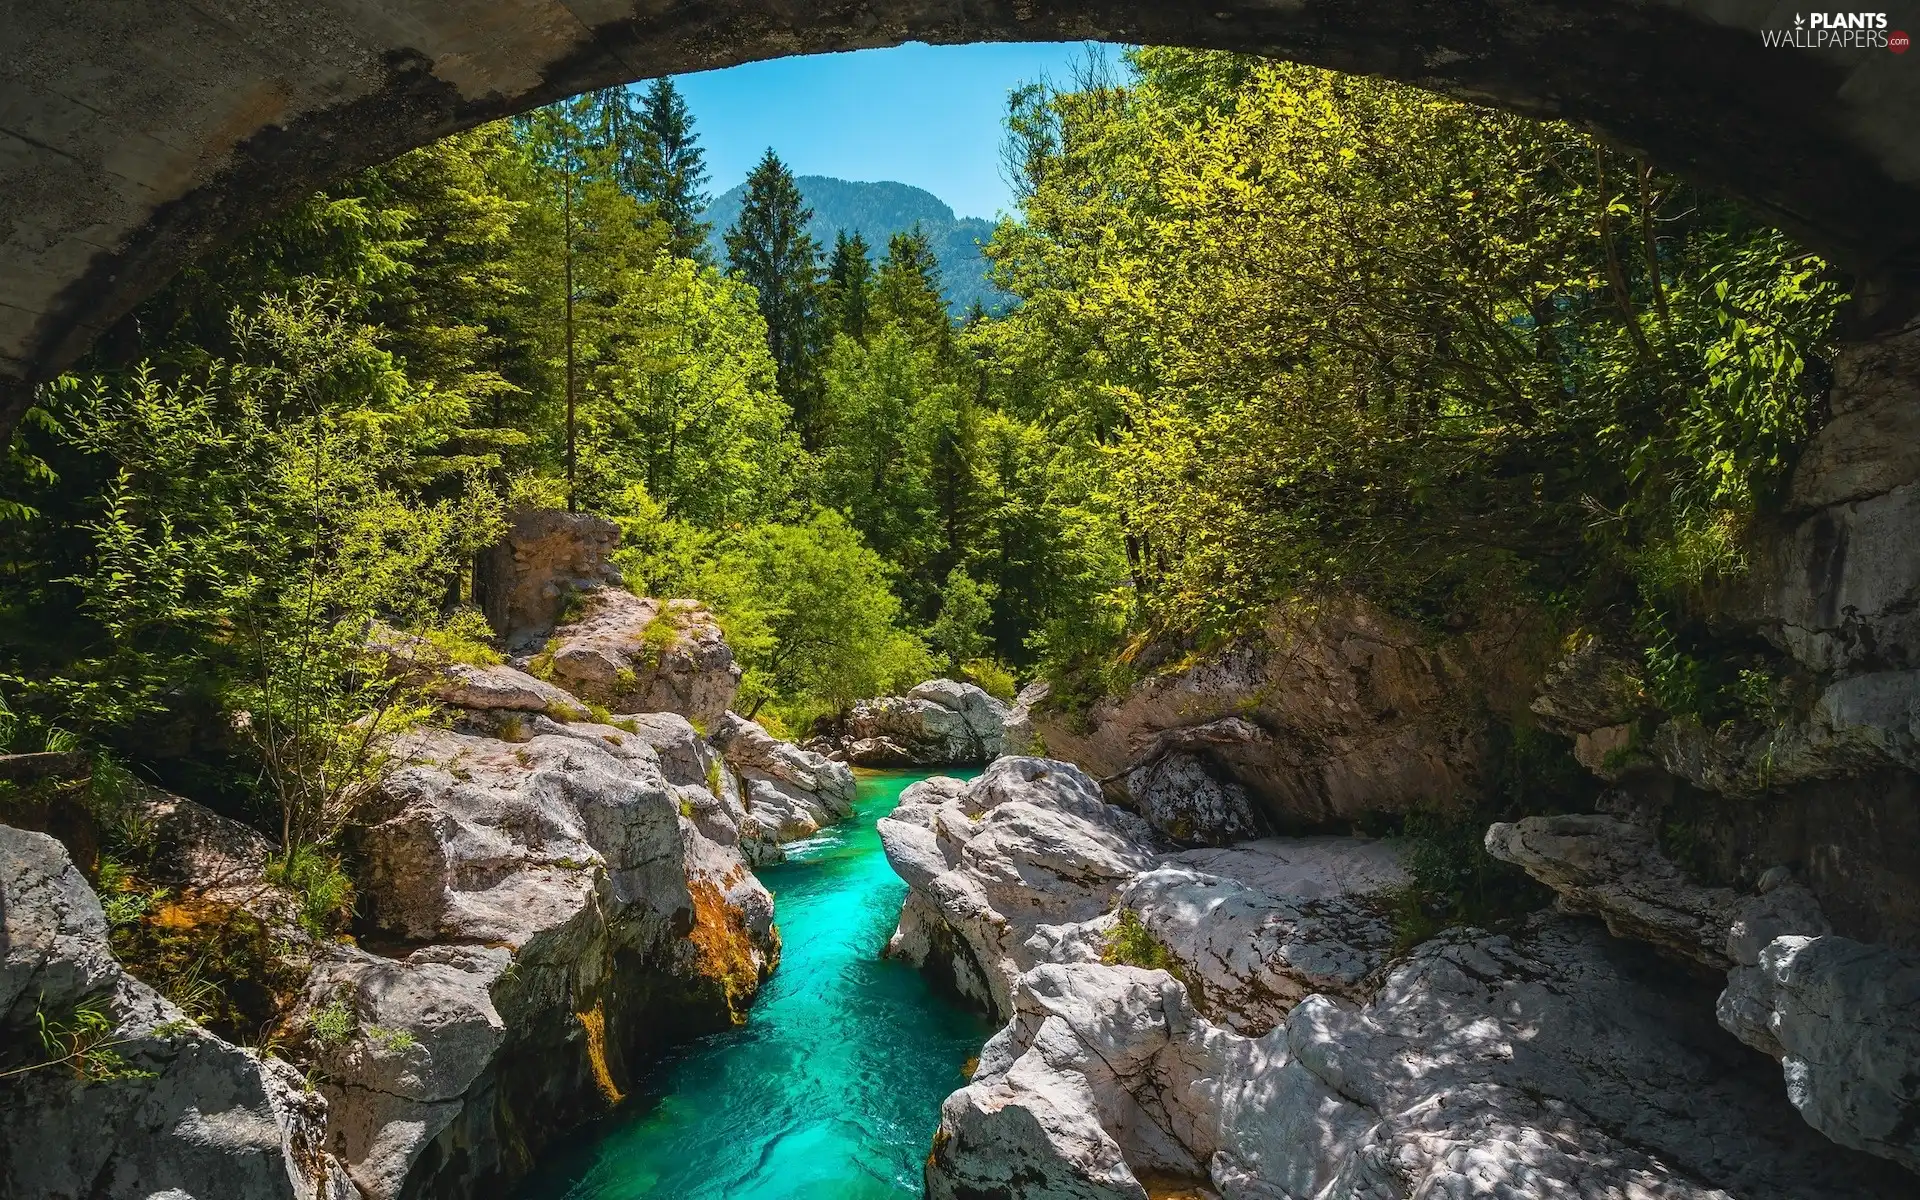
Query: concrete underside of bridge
[[137, 134]]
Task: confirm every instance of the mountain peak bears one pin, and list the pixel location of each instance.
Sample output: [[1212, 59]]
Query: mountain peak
[[877, 211]]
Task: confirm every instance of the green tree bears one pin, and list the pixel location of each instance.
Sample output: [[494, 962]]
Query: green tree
[[670, 171], [811, 616], [850, 285], [959, 633], [770, 250], [906, 291], [1312, 331]]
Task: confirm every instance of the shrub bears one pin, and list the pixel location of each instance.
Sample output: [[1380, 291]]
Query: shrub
[[1130, 943], [465, 637], [991, 677]]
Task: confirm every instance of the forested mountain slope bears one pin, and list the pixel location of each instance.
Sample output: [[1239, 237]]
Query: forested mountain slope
[[876, 211]]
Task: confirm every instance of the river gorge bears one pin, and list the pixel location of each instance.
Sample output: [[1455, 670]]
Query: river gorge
[[832, 1088]]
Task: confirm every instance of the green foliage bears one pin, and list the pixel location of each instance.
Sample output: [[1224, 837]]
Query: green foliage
[[394, 1041], [84, 1043], [991, 677], [958, 634], [333, 1023], [325, 891], [1321, 331], [770, 250], [1130, 943], [669, 169], [464, 636]]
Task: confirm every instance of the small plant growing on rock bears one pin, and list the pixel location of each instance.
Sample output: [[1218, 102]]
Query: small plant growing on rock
[[84, 1043], [396, 1041], [1130, 943], [325, 892], [991, 677], [465, 637], [333, 1023]]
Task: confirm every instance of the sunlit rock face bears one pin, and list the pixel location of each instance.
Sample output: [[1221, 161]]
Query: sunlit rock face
[[1331, 710], [938, 723], [1284, 1043], [1553, 1061], [631, 653]]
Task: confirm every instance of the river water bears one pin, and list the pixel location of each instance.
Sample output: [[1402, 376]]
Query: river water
[[832, 1088]]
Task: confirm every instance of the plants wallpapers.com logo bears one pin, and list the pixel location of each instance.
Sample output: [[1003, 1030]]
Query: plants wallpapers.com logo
[[1844, 30]]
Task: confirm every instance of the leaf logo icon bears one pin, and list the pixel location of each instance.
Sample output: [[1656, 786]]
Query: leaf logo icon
[[1798, 20]]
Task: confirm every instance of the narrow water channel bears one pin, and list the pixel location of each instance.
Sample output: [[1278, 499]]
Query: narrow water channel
[[832, 1088]]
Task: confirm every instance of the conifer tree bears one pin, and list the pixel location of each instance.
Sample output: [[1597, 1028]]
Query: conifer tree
[[850, 278], [770, 249], [670, 170], [907, 291]]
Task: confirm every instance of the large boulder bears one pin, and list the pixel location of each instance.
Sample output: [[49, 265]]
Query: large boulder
[[553, 910], [634, 654], [938, 723], [782, 792], [1843, 1017], [1333, 709], [1550, 1062], [160, 1107], [1030, 843], [1190, 802], [526, 580]]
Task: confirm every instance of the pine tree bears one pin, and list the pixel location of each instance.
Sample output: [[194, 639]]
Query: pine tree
[[670, 170], [770, 249], [850, 280], [907, 291]]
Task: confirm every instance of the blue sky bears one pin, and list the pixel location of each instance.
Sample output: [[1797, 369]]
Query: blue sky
[[925, 115]]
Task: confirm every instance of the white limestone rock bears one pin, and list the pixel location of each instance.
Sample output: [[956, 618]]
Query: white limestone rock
[[641, 654], [1552, 1063], [1029, 843], [938, 723], [1843, 1017], [1181, 797]]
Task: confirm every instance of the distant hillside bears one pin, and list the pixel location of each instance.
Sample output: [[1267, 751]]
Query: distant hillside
[[876, 211]]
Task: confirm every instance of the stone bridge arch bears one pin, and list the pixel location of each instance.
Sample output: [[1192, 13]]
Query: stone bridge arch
[[136, 134]]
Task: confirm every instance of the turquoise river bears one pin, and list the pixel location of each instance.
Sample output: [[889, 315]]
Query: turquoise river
[[832, 1088]]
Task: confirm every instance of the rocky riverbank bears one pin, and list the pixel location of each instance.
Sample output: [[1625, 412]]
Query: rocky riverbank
[[1241, 1022], [549, 893]]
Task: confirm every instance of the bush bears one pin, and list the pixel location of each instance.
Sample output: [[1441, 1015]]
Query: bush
[[1130, 943], [991, 677]]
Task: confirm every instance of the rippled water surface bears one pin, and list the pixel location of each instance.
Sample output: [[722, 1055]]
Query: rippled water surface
[[832, 1089]]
